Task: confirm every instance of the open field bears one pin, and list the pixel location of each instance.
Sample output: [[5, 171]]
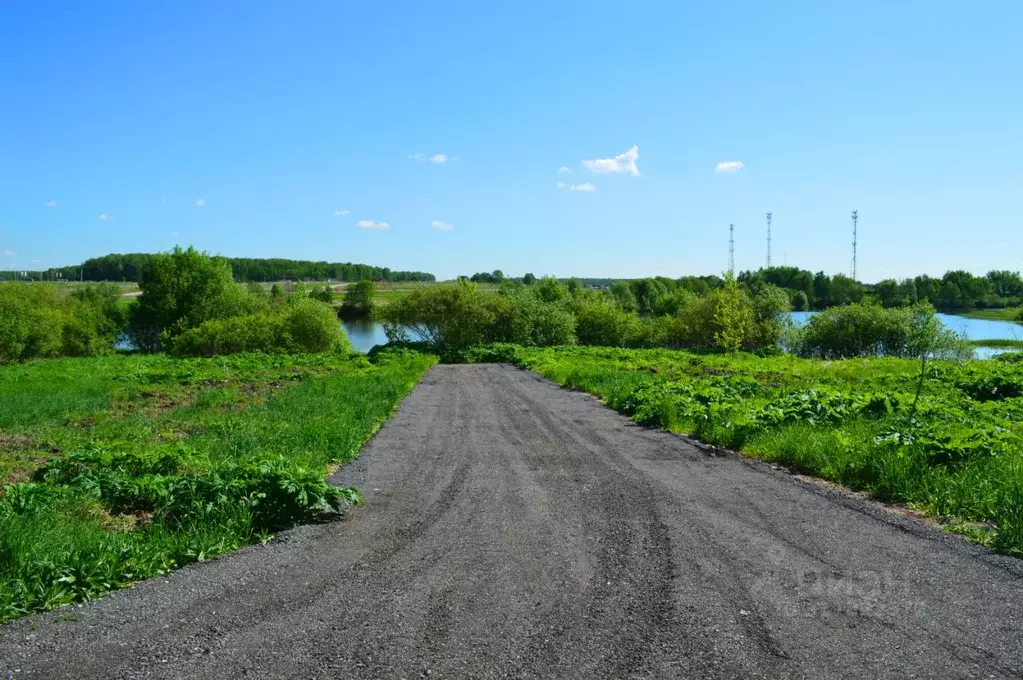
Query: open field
[[126, 467], [957, 456], [514, 529]]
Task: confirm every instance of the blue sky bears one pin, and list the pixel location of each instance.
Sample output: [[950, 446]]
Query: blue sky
[[275, 116]]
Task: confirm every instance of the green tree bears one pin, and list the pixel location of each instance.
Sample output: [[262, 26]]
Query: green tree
[[358, 300], [621, 292], [731, 315], [180, 290], [529, 279]]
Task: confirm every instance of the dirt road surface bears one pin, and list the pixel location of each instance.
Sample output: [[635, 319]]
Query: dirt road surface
[[514, 529]]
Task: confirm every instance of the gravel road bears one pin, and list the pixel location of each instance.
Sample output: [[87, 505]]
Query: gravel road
[[513, 529]]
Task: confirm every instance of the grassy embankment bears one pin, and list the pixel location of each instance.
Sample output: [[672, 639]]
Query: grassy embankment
[[1005, 314], [959, 458], [997, 342], [121, 468]]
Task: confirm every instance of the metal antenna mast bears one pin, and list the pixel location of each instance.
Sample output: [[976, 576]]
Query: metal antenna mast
[[856, 217], [731, 248], [769, 240]]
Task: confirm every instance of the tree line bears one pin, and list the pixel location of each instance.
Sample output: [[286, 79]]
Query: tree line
[[956, 291], [129, 266]]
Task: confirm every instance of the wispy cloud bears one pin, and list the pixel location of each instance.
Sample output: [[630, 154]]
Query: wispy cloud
[[104, 217], [729, 166], [163, 202], [586, 186], [340, 213], [175, 234], [50, 204], [372, 224], [35, 261], [199, 203], [623, 162], [9, 253], [437, 224], [436, 159], [565, 170]]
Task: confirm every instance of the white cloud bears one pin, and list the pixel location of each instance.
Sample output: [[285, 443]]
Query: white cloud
[[372, 224], [104, 217], [623, 162], [437, 224], [729, 166], [586, 186], [35, 261], [9, 253], [163, 201], [50, 204], [437, 158], [564, 169], [175, 234], [199, 203], [340, 213]]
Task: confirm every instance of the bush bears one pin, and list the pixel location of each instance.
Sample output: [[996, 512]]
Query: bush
[[449, 317], [304, 325], [540, 317], [604, 324], [866, 330], [37, 321], [313, 327], [325, 294], [358, 300], [183, 289]]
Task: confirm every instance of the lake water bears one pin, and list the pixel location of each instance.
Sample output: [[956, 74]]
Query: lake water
[[364, 334]]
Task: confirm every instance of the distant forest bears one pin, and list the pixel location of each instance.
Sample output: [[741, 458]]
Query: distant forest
[[126, 267], [955, 291]]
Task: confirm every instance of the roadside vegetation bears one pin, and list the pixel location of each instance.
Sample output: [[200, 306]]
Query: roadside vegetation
[[217, 430], [121, 468], [950, 446]]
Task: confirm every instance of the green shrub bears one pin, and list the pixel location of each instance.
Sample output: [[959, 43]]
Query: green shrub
[[456, 317], [604, 324], [183, 289], [358, 300], [304, 325], [866, 330], [313, 327], [38, 321], [325, 294], [539, 316]]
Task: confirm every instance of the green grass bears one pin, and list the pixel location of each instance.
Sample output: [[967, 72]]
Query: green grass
[[1005, 314], [388, 293], [997, 342], [960, 457], [126, 467]]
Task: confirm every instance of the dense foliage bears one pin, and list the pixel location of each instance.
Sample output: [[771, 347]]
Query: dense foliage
[[38, 320], [189, 304], [955, 452], [301, 325], [549, 313], [358, 300], [860, 330], [121, 468], [956, 291], [129, 266]]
